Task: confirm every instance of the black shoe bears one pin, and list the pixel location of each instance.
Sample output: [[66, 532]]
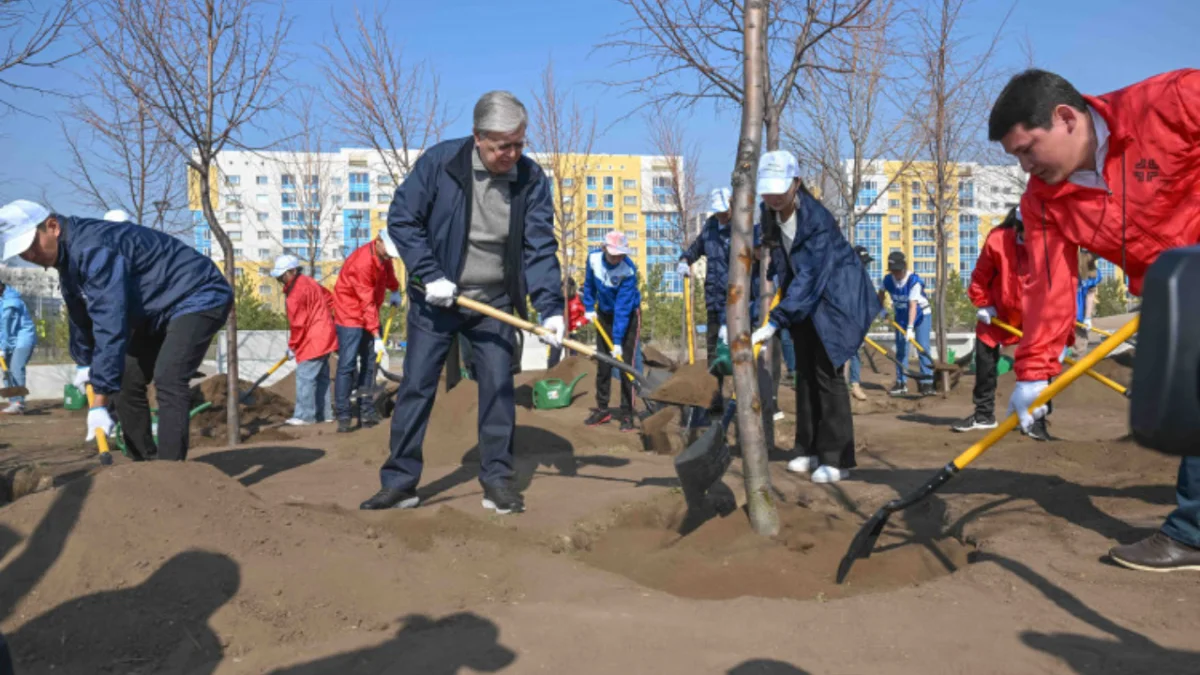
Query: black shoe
[[926, 389], [389, 498], [1157, 553], [502, 498], [1039, 431], [344, 426], [627, 422], [598, 416], [370, 421], [898, 390], [973, 422]]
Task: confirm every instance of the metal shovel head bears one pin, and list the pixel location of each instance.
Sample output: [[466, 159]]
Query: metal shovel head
[[6, 392], [864, 542], [702, 464]]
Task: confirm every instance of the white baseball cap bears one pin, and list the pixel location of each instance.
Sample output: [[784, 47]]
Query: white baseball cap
[[117, 216], [776, 171], [388, 244], [284, 263], [18, 226], [718, 200], [615, 243]]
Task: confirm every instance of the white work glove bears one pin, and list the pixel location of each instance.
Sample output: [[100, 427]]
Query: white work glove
[[986, 314], [1023, 397], [82, 375], [440, 293], [723, 334], [683, 269], [1088, 323], [379, 346], [395, 298], [590, 316], [763, 334], [291, 355], [556, 326], [98, 418], [909, 334], [617, 352]]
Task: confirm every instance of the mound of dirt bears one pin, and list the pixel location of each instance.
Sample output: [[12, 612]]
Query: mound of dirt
[[725, 558], [690, 384], [570, 368], [661, 433], [286, 388], [260, 417]]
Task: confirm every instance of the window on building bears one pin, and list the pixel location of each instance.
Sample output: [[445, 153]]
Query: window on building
[[265, 253], [915, 186], [662, 199], [916, 203], [239, 272], [894, 219], [966, 194], [288, 200], [600, 217], [568, 182], [261, 180], [262, 199], [235, 235], [926, 269], [591, 201], [631, 217], [262, 216], [893, 236], [287, 181], [568, 217], [233, 216], [893, 203], [929, 204], [894, 187], [894, 249], [264, 289], [923, 234], [868, 233], [591, 182], [924, 252], [630, 200], [384, 179], [337, 201], [360, 187], [383, 198], [608, 182], [608, 201], [629, 184], [263, 234], [233, 180], [631, 235], [596, 234], [867, 193]]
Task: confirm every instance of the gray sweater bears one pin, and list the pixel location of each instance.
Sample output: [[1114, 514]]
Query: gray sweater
[[483, 271]]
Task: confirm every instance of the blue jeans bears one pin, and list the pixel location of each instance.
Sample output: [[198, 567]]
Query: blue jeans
[[312, 391], [1183, 524], [921, 330], [789, 349], [16, 360], [431, 330], [355, 362], [855, 369]]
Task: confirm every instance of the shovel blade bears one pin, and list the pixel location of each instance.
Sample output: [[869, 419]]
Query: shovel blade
[[7, 392], [702, 464], [864, 541]]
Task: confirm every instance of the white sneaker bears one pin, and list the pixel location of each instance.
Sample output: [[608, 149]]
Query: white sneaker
[[297, 422], [778, 416], [14, 408], [803, 464], [828, 474]]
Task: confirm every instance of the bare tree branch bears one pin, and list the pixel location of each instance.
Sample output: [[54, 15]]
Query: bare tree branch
[[31, 30]]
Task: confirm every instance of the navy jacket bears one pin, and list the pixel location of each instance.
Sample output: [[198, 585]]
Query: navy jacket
[[825, 280], [713, 244], [430, 218], [118, 278]]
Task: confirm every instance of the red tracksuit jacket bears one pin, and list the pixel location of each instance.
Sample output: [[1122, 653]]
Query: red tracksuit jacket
[[996, 282], [310, 318], [360, 288], [1152, 204]]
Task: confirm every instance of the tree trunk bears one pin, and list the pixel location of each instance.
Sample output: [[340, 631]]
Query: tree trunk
[[232, 411], [760, 504]]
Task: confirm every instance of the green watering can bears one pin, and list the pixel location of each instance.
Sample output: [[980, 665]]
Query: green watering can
[[120, 437], [73, 399], [554, 393], [722, 363]]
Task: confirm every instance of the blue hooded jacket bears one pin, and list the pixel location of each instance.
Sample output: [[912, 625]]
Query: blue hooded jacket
[[612, 289], [823, 278], [16, 326], [712, 244], [430, 219], [121, 278]]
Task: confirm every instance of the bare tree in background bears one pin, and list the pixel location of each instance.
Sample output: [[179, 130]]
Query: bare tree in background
[[858, 111], [30, 30], [380, 100], [751, 439], [119, 158], [669, 138], [957, 88], [562, 137], [206, 70]]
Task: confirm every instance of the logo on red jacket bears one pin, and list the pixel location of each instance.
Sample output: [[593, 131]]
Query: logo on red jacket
[[1146, 170]]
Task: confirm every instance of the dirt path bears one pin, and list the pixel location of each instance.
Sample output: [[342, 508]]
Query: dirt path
[[255, 560]]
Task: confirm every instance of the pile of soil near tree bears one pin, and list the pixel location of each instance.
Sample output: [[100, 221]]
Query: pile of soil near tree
[[690, 384], [260, 417]]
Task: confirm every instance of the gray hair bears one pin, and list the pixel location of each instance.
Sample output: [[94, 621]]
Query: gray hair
[[499, 111]]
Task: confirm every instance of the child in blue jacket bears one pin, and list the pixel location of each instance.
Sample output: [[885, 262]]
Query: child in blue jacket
[[611, 298]]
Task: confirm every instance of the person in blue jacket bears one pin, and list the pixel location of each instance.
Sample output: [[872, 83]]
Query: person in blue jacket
[[712, 244], [143, 307], [828, 303], [1085, 300], [17, 339], [611, 297], [475, 217], [912, 314]]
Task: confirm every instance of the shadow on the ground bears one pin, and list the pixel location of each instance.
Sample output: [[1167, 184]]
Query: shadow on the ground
[[265, 461], [445, 646], [765, 667], [931, 420]]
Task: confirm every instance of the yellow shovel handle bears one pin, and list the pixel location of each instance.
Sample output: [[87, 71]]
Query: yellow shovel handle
[[1093, 329], [914, 342], [101, 438], [1056, 387], [1068, 360], [608, 341], [387, 329]]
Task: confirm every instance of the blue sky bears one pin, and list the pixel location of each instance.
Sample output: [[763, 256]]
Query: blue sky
[[479, 45]]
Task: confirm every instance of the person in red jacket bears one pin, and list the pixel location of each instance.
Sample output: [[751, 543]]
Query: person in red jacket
[[576, 319], [312, 339], [995, 289], [358, 295], [1118, 174]]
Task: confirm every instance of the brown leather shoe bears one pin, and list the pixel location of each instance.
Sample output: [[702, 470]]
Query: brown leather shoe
[[1157, 553]]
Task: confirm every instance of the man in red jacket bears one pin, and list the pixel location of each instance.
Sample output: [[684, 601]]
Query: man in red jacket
[[358, 294], [312, 339], [1118, 174]]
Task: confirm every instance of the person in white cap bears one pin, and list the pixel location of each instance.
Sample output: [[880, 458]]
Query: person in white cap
[[312, 338], [611, 297], [713, 244], [358, 295], [143, 307], [828, 303]]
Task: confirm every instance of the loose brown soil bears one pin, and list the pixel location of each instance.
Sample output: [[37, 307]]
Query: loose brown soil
[[260, 416]]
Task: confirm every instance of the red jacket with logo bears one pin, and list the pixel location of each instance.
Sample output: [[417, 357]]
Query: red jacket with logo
[[310, 318], [361, 287], [1152, 204], [996, 282], [576, 318]]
